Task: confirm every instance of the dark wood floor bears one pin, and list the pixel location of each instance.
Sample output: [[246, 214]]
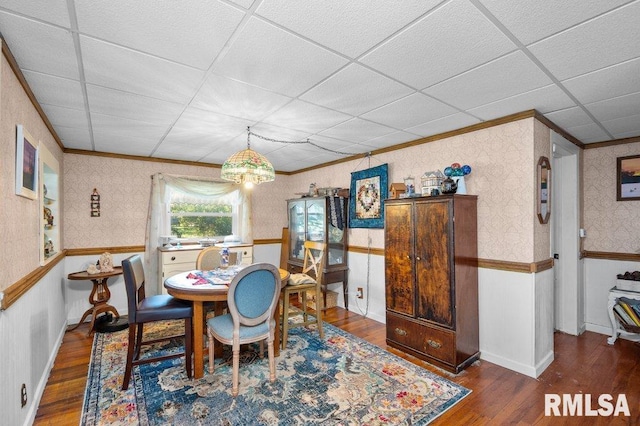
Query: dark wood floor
[[583, 365]]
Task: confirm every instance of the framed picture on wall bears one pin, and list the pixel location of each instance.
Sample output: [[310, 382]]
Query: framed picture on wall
[[628, 178], [26, 164], [368, 190]]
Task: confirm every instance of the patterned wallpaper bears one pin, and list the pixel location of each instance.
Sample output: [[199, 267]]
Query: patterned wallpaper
[[505, 189], [124, 187], [19, 217], [503, 169], [611, 225], [541, 232]]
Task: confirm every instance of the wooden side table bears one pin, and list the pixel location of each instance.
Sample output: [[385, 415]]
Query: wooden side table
[[99, 296]]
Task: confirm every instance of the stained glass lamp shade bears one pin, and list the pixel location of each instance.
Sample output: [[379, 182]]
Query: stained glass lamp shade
[[248, 166]]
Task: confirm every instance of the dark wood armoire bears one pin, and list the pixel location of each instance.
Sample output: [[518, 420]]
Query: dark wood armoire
[[431, 278]]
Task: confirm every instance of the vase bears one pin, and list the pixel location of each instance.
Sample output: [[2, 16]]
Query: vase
[[462, 187]]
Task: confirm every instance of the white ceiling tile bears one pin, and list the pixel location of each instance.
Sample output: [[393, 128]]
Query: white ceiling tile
[[182, 144], [189, 32], [113, 66], [606, 83], [523, 18], [305, 117], [588, 47], [66, 117], [357, 130], [623, 125], [56, 90], [409, 111], [622, 106], [451, 40], [200, 121], [445, 124], [505, 77], [244, 3], [349, 27], [353, 84], [55, 12], [570, 117], [390, 140], [108, 129], [235, 98], [276, 60], [128, 144], [588, 133], [74, 137], [133, 107], [40, 47], [544, 100]]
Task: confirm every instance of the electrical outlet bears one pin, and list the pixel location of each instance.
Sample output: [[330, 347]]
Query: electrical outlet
[[23, 395], [359, 293]]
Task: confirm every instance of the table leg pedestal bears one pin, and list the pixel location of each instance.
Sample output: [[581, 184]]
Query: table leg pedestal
[[99, 297], [198, 339]]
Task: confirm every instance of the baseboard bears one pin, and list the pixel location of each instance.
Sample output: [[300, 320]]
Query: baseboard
[[527, 370], [42, 384], [546, 362]]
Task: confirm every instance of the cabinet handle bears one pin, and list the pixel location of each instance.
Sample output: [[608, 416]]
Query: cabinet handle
[[434, 344], [173, 258], [400, 332], [417, 257]]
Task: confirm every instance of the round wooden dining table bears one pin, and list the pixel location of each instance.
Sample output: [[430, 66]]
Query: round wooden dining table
[[184, 286]]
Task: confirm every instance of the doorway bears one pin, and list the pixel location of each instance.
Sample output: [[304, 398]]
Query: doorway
[[565, 237]]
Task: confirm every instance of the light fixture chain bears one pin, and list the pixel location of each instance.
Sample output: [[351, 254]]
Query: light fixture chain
[[300, 142]]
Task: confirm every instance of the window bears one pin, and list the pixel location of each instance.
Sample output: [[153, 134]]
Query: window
[[195, 217]]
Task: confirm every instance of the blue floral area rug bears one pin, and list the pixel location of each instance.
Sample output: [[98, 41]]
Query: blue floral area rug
[[338, 380]]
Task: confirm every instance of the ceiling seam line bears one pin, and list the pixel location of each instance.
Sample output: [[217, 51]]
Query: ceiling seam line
[[73, 20], [537, 62]]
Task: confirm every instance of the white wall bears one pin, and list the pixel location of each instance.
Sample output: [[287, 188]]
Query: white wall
[[31, 331], [515, 314]]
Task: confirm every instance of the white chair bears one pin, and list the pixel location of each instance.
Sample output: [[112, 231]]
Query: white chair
[[252, 302]]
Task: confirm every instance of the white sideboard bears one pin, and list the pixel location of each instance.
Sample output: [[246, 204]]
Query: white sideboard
[[174, 260]]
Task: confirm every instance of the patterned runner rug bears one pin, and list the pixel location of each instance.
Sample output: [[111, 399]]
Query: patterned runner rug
[[341, 380]]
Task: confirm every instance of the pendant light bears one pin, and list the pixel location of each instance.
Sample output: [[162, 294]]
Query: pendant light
[[248, 167]]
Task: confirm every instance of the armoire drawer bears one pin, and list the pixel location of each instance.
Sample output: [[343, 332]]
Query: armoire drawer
[[424, 338]]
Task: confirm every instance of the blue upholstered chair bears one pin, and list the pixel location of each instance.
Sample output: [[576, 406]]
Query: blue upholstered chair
[[144, 310], [252, 303]]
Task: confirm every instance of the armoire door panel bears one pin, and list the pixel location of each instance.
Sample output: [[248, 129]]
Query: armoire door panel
[[399, 294], [433, 270]]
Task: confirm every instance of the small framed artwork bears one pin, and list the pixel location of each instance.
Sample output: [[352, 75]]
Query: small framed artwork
[[368, 190], [628, 178], [26, 164]]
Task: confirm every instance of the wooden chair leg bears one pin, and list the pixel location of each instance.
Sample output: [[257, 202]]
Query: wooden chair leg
[[188, 345], [285, 319], [236, 368], [130, 350], [272, 360], [138, 344], [211, 363]]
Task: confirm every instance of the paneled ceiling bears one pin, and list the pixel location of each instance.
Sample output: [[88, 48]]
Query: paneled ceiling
[[183, 79]]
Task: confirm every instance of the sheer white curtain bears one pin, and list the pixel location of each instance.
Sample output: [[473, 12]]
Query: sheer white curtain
[[156, 217]]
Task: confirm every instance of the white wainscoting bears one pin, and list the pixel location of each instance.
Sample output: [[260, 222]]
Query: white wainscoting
[[31, 331], [516, 319]]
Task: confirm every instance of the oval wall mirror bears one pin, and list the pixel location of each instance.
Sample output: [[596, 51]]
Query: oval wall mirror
[[544, 190]]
